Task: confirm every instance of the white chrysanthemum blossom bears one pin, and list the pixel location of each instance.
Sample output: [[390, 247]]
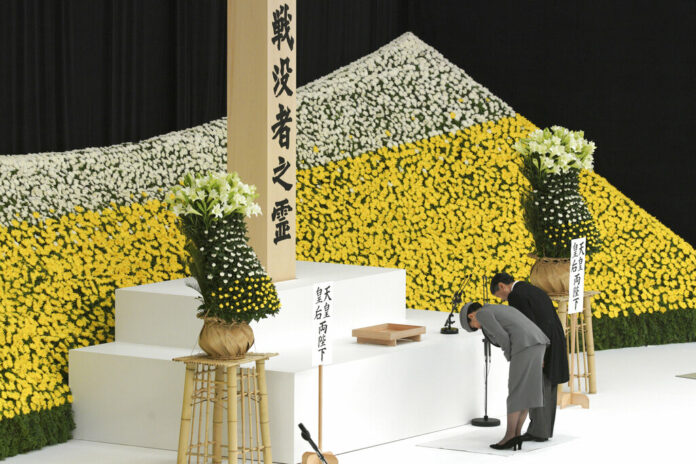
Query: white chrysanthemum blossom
[[53, 183], [403, 92]]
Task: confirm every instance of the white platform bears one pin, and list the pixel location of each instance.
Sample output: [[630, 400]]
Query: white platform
[[643, 413], [129, 392], [363, 295]]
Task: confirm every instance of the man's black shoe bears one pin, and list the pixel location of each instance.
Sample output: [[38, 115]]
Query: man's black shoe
[[529, 437]]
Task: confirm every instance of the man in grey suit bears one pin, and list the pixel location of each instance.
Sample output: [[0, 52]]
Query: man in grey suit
[[523, 345]]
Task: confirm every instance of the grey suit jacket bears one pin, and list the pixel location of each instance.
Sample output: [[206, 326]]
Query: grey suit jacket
[[508, 328]]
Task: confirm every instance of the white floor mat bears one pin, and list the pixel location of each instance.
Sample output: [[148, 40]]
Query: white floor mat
[[479, 441]]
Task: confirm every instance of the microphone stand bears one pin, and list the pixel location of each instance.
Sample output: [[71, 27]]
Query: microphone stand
[[456, 301], [486, 421], [308, 439]]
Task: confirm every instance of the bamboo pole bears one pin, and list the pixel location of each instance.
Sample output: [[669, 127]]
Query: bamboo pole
[[217, 415], [563, 314], [251, 430], [207, 413], [200, 381], [256, 416], [185, 428], [232, 451], [265, 427], [243, 409], [583, 329], [193, 403], [587, 309]]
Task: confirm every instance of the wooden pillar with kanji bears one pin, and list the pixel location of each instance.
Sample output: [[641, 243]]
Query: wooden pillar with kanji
[[261, 122]]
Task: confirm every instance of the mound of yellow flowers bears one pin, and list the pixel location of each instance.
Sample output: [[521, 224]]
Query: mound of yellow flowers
[[449, 206], [57, 293]]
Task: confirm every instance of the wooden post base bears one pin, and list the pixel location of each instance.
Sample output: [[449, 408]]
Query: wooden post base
[[312, 458], [573, 398]]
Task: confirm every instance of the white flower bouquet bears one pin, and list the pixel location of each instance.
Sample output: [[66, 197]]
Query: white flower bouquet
[[213, 196], [557, 150], [211, 208], [554, 210]]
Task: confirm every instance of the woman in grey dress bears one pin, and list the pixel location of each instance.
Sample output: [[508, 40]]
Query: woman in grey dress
[[524, 345]]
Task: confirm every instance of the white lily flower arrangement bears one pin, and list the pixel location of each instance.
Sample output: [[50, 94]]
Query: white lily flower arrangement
[[213, 196], [554, 210], [557, 150]]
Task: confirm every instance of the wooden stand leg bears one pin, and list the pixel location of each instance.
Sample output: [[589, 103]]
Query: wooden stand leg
[[559, 395], [321, 387], [568, 399], [563, 317], [563, 314], [265, 427], [185, 428], [572, 397], [589, 336], [232, 414], [217, 414], [248, 389]]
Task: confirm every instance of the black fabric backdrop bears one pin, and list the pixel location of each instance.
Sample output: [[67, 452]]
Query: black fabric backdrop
[[78, 73]]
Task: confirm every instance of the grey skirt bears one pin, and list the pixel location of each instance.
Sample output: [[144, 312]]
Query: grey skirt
[[525, 381]]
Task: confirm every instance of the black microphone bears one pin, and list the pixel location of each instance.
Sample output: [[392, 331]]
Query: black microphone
[[456, 301], [308, 439]]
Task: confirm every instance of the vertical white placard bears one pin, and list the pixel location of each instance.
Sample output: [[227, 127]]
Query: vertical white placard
[[577, 275], [322, 313]]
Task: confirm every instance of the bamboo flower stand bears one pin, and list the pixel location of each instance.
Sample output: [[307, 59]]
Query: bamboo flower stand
[[223, 385], [581, 352]]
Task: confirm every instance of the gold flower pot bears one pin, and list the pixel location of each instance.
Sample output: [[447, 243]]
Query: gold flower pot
[[224, 340], [551, 274]]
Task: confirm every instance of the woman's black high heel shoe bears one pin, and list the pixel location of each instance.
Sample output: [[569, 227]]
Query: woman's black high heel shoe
[[515, 443]]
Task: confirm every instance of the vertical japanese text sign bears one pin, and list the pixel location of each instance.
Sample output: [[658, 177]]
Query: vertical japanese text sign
[[577, 275], [261, 122], [282, 125], [322, 313]]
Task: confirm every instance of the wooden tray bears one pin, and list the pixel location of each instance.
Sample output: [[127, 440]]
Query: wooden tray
[[388, 334]]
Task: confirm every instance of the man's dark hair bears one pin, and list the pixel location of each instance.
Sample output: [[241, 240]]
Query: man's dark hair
[[501, 277]]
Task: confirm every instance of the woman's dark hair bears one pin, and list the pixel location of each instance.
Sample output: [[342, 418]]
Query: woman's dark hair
[[501, 277], [473, 307]]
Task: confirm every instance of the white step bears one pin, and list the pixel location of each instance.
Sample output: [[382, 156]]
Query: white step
[[126, 394], [131, 394], [164, 313]]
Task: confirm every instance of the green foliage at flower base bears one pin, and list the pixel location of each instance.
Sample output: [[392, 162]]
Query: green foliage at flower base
[[233, 284], [31, 431], [555, 213], [644, 329]]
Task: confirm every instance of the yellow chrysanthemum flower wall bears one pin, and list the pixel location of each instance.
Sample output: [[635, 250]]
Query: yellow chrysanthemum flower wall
[[403, 161], [449, 206], [57, 293], [441, 208]]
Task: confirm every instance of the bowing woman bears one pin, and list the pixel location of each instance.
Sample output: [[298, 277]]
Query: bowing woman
[[523, 345], [534, 303]]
